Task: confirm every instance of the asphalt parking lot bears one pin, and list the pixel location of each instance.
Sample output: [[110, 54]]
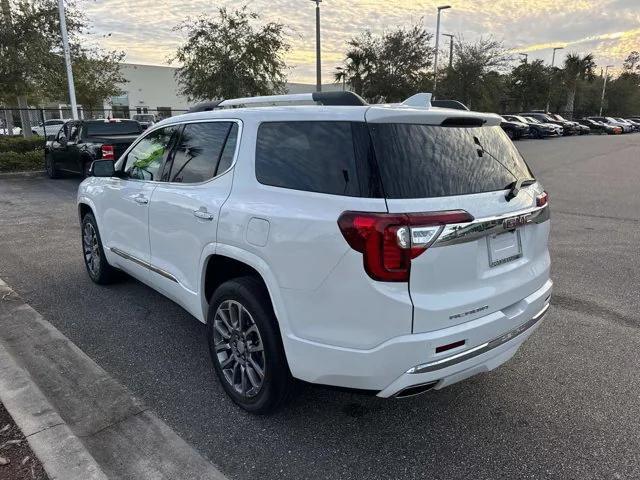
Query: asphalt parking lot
[[565, 407]]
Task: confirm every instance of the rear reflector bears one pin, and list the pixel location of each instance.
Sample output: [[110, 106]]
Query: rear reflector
[[450, 346], [108, 152], [388, 241], [542, 199]]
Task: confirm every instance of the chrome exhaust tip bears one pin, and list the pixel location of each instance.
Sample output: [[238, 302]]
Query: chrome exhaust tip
[[414, 390]]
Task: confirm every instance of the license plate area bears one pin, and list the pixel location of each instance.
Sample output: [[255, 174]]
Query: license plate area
[[504, 247]]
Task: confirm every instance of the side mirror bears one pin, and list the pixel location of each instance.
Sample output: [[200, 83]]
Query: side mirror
[[102, 168]]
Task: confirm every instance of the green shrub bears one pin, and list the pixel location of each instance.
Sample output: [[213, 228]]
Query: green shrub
[[17, 162], [20, 144]]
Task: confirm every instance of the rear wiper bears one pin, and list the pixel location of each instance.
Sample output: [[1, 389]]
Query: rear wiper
[[516, 186]]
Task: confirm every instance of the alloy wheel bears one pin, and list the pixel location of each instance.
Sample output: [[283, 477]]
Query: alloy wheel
[[91, 249], [238, 348]]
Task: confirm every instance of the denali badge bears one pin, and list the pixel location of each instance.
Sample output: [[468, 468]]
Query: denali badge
[[513, 222], [470, 312]]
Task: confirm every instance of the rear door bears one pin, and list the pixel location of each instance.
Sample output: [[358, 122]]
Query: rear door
[[479, 267], [184, 210]]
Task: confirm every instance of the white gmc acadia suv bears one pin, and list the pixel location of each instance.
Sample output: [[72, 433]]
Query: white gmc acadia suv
[[390, 248]]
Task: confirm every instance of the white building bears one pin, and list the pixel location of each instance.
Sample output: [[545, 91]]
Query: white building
[[154, 89]]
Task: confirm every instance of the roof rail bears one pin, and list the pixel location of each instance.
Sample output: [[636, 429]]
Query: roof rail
[[454, 104], [322, 98], [204, 106]]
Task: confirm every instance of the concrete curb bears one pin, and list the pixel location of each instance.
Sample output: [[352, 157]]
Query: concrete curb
[[61, 453], [26, 173], [79, 421]]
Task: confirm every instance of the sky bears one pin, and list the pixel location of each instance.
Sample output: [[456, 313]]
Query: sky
[[143, 29]]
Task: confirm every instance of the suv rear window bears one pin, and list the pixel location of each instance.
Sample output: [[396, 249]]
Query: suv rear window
[[126, 127], [420, 161], [315, 156]]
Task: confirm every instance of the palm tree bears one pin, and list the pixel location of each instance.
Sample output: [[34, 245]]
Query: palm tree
[[576, 68], [354, 72]]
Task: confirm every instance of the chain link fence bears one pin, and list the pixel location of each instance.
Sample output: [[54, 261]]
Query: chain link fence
[[46, 122]]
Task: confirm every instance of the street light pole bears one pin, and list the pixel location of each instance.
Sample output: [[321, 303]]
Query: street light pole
[[604, 87], [318, 68], [67, 61], [553, 61], [451, 37], [435, 56]]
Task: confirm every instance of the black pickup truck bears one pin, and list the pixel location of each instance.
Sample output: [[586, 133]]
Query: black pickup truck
[[80, 142]]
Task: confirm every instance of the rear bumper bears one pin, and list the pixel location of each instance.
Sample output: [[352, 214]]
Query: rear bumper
[[467, 363], [386, 367]]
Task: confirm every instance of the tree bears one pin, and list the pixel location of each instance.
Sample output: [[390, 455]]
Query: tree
[[632, 62], [576, 68], [528, 85], [32, 62], [389, 67], [475, 64], [96, 74], [228, 57]]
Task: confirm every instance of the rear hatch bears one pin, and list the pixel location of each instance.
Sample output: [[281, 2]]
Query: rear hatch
[[482, 265]]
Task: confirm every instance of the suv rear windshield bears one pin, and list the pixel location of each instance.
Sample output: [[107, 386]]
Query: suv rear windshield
[[419, 161], [386, 159], [126, 127]]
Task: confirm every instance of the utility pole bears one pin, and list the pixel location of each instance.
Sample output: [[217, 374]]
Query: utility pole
[[604, 87], [67, 61], [318, 62], [435, 56], [553, 61], [451, 37]]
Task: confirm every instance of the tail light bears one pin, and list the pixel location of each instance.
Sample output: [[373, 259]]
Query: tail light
[[108, 152], [388, 242], [542, 199]]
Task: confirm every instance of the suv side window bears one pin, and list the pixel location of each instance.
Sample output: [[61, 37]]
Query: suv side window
[[313, 156], [201, 149], [145, 160]]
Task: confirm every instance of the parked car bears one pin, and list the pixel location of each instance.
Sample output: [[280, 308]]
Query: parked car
[[559, 131], [145, 119], [635, 122], [579, 128], [567, 127], [599, 127], [536, 129], [52, 127], [514, 129], [634, 127], [80, 142], [308, 260], [626, 128]]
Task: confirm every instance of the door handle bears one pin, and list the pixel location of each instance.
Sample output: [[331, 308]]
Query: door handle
[[203, 214], [141, 200]]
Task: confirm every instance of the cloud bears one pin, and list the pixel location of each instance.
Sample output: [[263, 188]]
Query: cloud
[[144, 29]]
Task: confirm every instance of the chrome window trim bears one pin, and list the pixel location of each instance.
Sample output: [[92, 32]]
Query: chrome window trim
[[179, 124], [480, 349], [467, 232]]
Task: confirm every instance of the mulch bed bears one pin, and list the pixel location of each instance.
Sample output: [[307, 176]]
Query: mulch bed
[[17, 461]]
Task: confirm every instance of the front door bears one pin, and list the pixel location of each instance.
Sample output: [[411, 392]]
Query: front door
[[125, 218], [183, 215]]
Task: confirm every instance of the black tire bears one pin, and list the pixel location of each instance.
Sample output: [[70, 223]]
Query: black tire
[[277, 384], [539, 134], [98, 269], [510, 134], [50, 167]]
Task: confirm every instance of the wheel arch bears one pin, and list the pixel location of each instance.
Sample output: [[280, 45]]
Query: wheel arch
[[228, 262]]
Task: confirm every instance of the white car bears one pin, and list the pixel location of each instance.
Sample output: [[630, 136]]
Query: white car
[[51, 127], [396, 248]]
